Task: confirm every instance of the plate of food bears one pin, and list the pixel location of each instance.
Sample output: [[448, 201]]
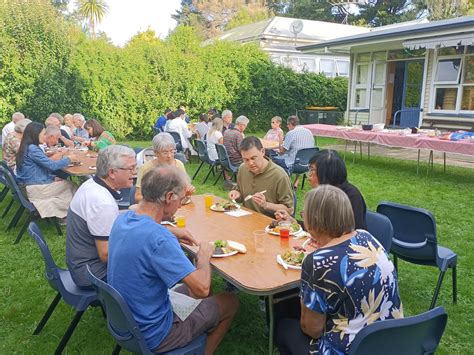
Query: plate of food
[[225, 206], [224, 248], [292, 258], [187, 201], [75, 163], [92, 167], [274, 228]]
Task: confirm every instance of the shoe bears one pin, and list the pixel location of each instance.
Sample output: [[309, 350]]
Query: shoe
[[62, 221]]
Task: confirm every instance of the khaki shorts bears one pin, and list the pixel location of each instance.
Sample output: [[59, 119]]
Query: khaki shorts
[[203, 319]]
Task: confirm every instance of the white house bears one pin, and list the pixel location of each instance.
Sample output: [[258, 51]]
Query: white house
[[280, 37], [409, 75]]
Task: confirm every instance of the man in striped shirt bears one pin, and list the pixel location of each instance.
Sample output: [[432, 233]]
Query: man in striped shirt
[[298, 137]]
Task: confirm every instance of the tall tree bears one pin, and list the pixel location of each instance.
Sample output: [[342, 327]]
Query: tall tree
[[93, 11], [382, 12], [443, 9]]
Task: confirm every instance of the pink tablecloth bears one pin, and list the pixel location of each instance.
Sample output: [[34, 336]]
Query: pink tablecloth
[[414, 141]]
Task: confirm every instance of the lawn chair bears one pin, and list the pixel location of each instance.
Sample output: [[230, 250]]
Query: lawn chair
[[61, 281], [5, 189], [124, 328], [204, 158], [25, 204], [414, 240], [224, 162], [124, 202], [380, 227], [177, 139], [419, 334], [301, 164]]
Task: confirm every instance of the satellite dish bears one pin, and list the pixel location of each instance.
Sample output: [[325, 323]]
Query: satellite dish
[[296, 27]]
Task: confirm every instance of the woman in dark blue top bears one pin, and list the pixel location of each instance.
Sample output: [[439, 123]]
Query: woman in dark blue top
[[48, 193]]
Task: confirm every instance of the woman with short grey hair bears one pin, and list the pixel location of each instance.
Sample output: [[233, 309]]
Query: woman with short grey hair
[[164, 147], [347, 283], [12, 143]]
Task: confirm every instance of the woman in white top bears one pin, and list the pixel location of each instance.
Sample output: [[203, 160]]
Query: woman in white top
[[177, 124], [214, 136]]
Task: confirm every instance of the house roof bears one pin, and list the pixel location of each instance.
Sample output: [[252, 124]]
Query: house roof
[[398, 33], [279, 28]]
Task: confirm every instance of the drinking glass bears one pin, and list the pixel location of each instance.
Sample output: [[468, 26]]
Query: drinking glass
[[284, 229], [180, 221], [259, 237], [208, 200]]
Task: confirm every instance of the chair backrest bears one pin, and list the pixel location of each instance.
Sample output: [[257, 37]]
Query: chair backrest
[[120, 320], [420, 334], [295, 201], [51, 269], [414, 231], [201, 150], [10, 179], [177, 139], [133, 189], [301, 164], [224, 157], [3, 181], [380, 227]]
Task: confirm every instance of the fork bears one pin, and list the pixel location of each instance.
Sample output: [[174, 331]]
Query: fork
[[248, 197]]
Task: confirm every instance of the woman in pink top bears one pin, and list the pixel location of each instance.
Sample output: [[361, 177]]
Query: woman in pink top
[[275, 133]]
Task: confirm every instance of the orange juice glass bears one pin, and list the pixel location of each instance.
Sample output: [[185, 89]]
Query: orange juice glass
[[208, 200], [180, 221]]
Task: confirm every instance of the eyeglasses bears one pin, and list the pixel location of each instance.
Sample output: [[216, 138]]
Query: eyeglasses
[[171, 152], [132, 169], [182, 199]]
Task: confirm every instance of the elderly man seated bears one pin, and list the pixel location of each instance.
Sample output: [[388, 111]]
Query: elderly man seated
[[64, 139], [79, 134], [146, 260], [268, 184], [10, 126], [93, 210]]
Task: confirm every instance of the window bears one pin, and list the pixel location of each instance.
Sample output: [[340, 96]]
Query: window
[[454, 80], [326, 66], [342, 67], [361, 85]]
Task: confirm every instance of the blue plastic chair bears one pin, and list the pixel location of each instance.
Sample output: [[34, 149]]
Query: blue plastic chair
[[25, 205], [225, 163], [5, 189], [301, 163], [133, 189], [203, 156], [177, 139], [419, 334], [414, 240], [61, 281], [380, 227], [124, 328]]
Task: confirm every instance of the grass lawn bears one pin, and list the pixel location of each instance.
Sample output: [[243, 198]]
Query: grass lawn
[[25, 294]]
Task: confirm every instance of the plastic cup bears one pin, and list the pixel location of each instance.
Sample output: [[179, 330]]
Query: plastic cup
[[208, 200], [180, 221], [284, 229], [259, 240]]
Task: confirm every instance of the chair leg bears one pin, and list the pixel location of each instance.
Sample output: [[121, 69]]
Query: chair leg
[[304, 179], [48, 313], [69, 332], [395, 263], [455, 285], [23, 228], [211, 170], [58, 227], [8, 208], [219, 176], [16, 218], [197, 171], [4, 193], [438, 287], [116, 350]]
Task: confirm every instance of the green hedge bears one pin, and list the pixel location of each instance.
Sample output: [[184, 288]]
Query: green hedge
[[47, 64]]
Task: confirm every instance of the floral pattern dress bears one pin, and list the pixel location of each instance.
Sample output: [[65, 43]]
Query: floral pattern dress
[[10, 148], [354, 283]]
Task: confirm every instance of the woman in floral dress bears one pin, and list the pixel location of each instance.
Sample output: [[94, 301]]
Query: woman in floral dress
[[346, 284]]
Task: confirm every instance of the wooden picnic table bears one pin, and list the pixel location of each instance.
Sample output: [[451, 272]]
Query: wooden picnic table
[[255, 272], [88, 159], [269, 144]]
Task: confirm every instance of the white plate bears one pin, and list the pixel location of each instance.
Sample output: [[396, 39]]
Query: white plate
[[233, 252], [270, 231], [92, 168], [214, 208], [293, 267]]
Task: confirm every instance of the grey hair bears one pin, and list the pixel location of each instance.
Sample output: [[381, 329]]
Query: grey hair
[[276, 118], [293, 120], [111, 158], [161, 180], [17, 116], [226, 113], [52, 130], [78, 116], [21, 125], [51, 120], [163, 141], [327, 210], [58, 116], [242, 120]]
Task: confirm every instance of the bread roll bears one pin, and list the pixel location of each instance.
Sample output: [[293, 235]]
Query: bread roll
[[236, 246]]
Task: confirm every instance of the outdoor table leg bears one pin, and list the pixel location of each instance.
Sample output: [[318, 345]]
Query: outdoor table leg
[[368, 150], [418, 163], [444, 159], [360, 149], [271, 325], [345, 149]]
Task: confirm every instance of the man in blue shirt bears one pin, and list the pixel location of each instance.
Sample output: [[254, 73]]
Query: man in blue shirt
[[161, 121], [146, 260]]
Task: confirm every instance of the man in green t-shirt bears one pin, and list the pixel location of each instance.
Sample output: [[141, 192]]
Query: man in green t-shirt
[[258, 174]]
